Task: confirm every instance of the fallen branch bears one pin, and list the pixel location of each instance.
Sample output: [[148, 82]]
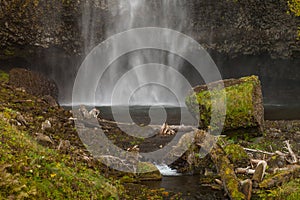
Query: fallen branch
[[292, 154], [281, 154], [259, 151], [178, 128], [247, 170]]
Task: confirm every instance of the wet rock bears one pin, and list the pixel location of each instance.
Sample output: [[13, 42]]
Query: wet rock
[[152, 173], [230, 28], [275, 162], [33, 82]]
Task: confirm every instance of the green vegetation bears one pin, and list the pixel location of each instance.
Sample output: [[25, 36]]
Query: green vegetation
[[236, 154], [288, 191], [239, 102], [294, 6], [29, 170], [4, 76], [34, 169]]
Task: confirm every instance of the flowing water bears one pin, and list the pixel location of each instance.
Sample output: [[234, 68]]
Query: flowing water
[[144, 75]]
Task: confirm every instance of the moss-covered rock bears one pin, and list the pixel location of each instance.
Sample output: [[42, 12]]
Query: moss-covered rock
[[244, 108], [152, 174]]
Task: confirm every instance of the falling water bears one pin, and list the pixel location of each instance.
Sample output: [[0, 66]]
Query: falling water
[[146, 65]]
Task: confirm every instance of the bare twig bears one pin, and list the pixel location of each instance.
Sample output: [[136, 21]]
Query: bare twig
[[292, 154], [280, 153], [259, 151]]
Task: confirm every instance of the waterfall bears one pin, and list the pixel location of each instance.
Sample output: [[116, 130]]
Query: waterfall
[[165, 170], [144, 76]]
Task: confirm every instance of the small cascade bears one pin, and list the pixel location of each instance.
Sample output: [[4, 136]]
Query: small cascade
[[165, 170]]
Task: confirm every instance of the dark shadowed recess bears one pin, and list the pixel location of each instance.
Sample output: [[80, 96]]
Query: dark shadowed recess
[[280, 78]]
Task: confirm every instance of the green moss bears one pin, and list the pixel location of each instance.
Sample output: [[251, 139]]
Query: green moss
[[236, 154], [239, 104], [294, 7], [127, 179], [9, 52], [288, 191], [29, 170], [4, 77], [147, 171]]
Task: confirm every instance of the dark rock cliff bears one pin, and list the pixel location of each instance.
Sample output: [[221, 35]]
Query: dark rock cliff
[[231, 27], [244, 37]]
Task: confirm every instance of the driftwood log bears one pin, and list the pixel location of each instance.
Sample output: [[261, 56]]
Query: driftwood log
[[244, 108], [231, 183]]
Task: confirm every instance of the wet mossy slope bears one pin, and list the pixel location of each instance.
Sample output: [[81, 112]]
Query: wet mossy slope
[[30, 170]]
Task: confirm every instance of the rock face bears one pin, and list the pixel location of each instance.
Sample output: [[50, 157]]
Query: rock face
[[231, 27], [244, 105], [34, 83], [243, 38]]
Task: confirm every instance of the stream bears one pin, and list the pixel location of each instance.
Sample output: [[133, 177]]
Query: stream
[[172, 181]]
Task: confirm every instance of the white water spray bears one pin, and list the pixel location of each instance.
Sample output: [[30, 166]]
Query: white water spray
[[128, 14]]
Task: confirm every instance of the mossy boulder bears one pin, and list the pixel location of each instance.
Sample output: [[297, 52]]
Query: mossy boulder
[[244, 104], [145, 172], [152, 173]]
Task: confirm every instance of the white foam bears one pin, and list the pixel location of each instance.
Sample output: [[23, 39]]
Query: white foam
[[165, 170]]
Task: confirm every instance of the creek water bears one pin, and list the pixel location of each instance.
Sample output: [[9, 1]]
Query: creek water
[[188, 185]]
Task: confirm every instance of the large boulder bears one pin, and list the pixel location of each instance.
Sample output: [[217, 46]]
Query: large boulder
[[33, 82], [244, 104]]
